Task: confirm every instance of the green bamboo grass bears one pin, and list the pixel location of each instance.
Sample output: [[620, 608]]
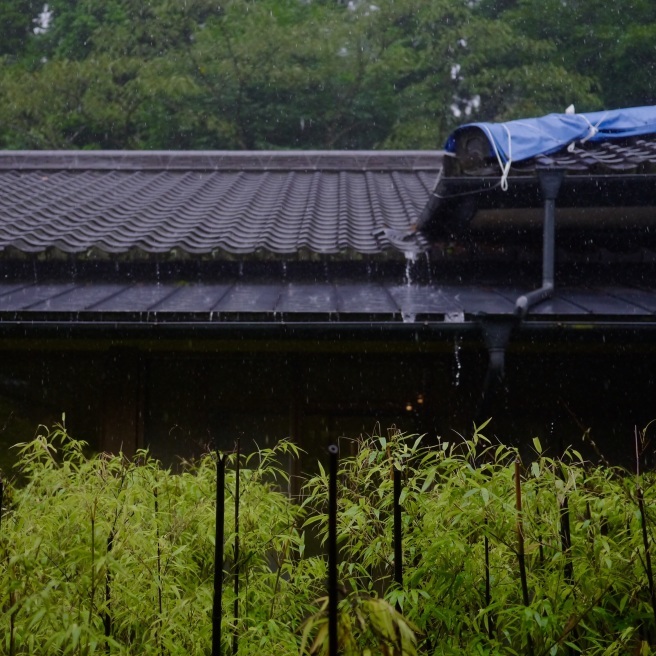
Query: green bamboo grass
[[149, 588]]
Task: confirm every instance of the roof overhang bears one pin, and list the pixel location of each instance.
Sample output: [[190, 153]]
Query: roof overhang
[[491, 171], [461, 203]]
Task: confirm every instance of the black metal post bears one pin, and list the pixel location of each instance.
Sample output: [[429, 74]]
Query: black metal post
[[235, 638], [488, 590], [218, 554], [108, 592], [520, 545], [566, 540], [645, 542], [398, 530], [333, 451], [160, 615]]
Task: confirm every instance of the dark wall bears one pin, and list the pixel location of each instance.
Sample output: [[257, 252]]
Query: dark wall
[[179, 400]]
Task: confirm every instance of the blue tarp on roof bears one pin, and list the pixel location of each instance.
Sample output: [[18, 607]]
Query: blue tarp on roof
[[514, 141]]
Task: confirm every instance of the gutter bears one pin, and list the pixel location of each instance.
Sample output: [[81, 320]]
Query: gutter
[[496, 330]]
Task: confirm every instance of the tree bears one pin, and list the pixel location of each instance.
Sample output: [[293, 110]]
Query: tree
[[613, 45], [253, 74], [18, 20]]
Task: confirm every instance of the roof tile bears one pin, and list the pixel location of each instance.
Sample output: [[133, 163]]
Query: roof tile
[[199, 202]]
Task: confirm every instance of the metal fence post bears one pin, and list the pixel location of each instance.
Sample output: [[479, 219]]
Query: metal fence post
[[398, 530], [235, 637], [107, 619], [218, 555], [333, 452]]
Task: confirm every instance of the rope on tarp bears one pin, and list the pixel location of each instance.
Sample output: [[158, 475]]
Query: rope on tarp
[[553, 132], [505, 168], [593, 131]]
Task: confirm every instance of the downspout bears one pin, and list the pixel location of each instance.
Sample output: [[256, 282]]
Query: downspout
[[497, 330], [550, 180], [496, 334]]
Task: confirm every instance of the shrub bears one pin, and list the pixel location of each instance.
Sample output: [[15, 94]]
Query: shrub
[[104, 546], [108, 554], [587, 573]]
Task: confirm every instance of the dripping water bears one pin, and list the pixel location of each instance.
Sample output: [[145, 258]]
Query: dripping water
[[457, 347], [409, 261]]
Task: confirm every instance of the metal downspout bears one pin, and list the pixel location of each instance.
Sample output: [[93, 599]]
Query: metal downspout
[[550, 181], [497, 330], [496, 334]]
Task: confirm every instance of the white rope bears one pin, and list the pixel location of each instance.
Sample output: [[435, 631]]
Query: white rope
[[505, 168], [592, 131]]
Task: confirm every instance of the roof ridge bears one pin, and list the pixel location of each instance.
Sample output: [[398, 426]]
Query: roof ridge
[[226, 160]]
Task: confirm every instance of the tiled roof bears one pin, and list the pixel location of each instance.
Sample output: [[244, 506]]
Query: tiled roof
[[213, 202]]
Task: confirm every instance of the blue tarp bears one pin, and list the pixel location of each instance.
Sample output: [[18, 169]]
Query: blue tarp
[[514, 141]]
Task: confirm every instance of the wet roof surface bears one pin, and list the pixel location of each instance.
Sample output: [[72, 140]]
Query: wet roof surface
[[204, 202], [242, 204], [236, 299]]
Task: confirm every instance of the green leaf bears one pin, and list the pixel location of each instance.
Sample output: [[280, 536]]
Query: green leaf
[[485, 494]]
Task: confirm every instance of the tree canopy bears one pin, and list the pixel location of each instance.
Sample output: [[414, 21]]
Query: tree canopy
[[321, 74]]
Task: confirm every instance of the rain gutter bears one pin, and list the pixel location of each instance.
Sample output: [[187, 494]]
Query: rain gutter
[[496, 329], [265, 328]]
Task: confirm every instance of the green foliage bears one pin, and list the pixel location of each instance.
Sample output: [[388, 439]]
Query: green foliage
[[607, 47], [366, 625], [591, 595], [269, 74], [91, 546], [17, 20], [91, 540]]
